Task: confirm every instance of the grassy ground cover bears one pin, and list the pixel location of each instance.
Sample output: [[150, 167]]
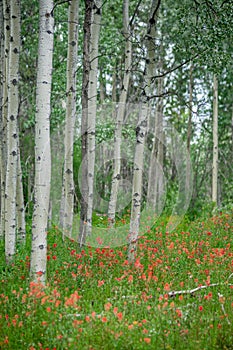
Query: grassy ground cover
[[95, 300]]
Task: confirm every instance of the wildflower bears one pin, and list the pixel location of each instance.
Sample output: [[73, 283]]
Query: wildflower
[[147, 340], [115, 310], [100, 283], [167, 287], [107, 306], [87, 318], [119, 316], [179, 313], [104, 319], [200, 308], [130, 278]]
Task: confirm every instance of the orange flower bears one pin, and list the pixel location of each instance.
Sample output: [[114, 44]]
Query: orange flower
[[104, 319], [147, 340], [167, 287], [119, 316], [100, 283], [87, 318], [179, 313], [130, 278], [107, 306]]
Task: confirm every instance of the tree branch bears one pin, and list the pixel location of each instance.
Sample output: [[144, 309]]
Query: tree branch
[[59, 3], [175, 68], [192, 291], [134, 14]]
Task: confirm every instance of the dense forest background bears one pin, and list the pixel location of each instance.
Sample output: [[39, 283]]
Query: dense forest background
[[137, 113]]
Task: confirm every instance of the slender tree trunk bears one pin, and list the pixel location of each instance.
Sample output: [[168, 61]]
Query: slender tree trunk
[[92, 106], [140, 141], [189, 131], [159, 181], [42, 142], [21, 224], [12, 131], [153, 168], [116, 177], [67, 208], [2, 74], [155, 180], [85, 95], [215, 143], [5, 45]]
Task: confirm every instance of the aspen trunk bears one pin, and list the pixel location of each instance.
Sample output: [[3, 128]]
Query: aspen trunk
[[155, 180], [189, 131], [215, 143], [5, 65], [85, 96], [21, 224], [92, 107], [67, 203], [42, 142], [2, 74], [140, 141], [120, 117], [12, 131]]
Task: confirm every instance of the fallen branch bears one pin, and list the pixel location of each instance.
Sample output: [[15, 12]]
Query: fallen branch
[[192, 291]]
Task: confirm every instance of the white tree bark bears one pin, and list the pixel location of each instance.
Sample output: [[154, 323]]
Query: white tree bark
[[5, 44], [2, 74], [84, 123], [189, 131], [92, 106], [42, 142], [12, 131], [140, 142], [215, 143], [21, 224], [155, 179], [67, 207], [120, 117]]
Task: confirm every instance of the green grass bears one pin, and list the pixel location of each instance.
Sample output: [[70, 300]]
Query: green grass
[[95, 300]]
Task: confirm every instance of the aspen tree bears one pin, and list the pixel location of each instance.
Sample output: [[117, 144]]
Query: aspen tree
[[67, 202], [5, 44], [12, 131], [215, 142], [42, 142], [116, 177], [140, 143], [92, 106], [84, 123], [189, 131], [2, 74]]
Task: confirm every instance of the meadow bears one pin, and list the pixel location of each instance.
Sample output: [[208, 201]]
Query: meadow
[[177, 295]]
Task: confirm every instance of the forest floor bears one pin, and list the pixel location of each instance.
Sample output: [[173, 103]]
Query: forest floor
[[177, 295]]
